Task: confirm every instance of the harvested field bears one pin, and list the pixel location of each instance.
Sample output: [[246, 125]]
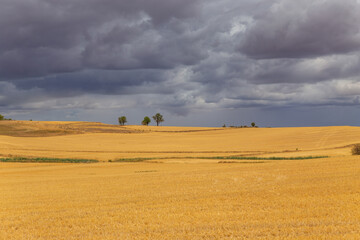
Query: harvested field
[[48, 129], [108, 142], [192, 183]]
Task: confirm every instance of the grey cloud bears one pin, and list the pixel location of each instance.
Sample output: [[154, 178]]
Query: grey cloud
[[301, 71], [37, 62], [43, 37], [297, 29], [144, 47], [13, 98], [98, 82]]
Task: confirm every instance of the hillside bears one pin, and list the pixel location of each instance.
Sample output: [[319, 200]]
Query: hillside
[[107, 142]]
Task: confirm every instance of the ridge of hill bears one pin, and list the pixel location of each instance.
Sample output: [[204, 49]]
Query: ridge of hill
[[17, 128], [104, 142], [57, 128]]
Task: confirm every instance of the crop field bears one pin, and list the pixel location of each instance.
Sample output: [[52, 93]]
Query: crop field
[[74, 180]]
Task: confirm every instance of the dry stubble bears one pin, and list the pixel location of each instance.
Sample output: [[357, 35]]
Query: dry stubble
[[192, 199]]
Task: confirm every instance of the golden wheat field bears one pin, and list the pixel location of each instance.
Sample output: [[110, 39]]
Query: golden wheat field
[[178, 190]]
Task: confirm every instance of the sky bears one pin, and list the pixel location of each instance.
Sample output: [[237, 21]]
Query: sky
[[278, 63]]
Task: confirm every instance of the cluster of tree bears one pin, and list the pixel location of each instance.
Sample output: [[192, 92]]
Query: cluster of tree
[[3, 118], [158, 118], [243, 126]]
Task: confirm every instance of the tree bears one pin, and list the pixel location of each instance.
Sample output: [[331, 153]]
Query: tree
[[146, 121], [158, 118], [122, 120], [253, 124]]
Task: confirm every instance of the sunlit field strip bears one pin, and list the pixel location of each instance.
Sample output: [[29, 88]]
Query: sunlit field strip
[[47, 160]]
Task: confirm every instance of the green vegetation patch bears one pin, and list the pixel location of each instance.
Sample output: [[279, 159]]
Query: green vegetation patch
[[218, 158], [47, 160], [247, 162], [133, 159]]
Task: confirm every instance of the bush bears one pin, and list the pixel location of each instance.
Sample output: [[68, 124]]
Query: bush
[[355, 149]]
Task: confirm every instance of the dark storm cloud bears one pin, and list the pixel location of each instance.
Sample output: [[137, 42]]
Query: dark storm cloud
[[297, 29], [178, 56], [302, 71], [96, 82], [42, 37]]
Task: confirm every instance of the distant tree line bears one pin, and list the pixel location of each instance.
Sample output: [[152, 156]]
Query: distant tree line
[[158, 118], [253, 125], [2, 118]]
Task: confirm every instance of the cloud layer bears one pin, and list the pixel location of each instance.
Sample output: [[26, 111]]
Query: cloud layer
[[181, 57]]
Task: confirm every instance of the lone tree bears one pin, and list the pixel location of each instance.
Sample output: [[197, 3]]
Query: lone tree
[[158, 118], [146, 121], [122, 120], [253, 124]]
